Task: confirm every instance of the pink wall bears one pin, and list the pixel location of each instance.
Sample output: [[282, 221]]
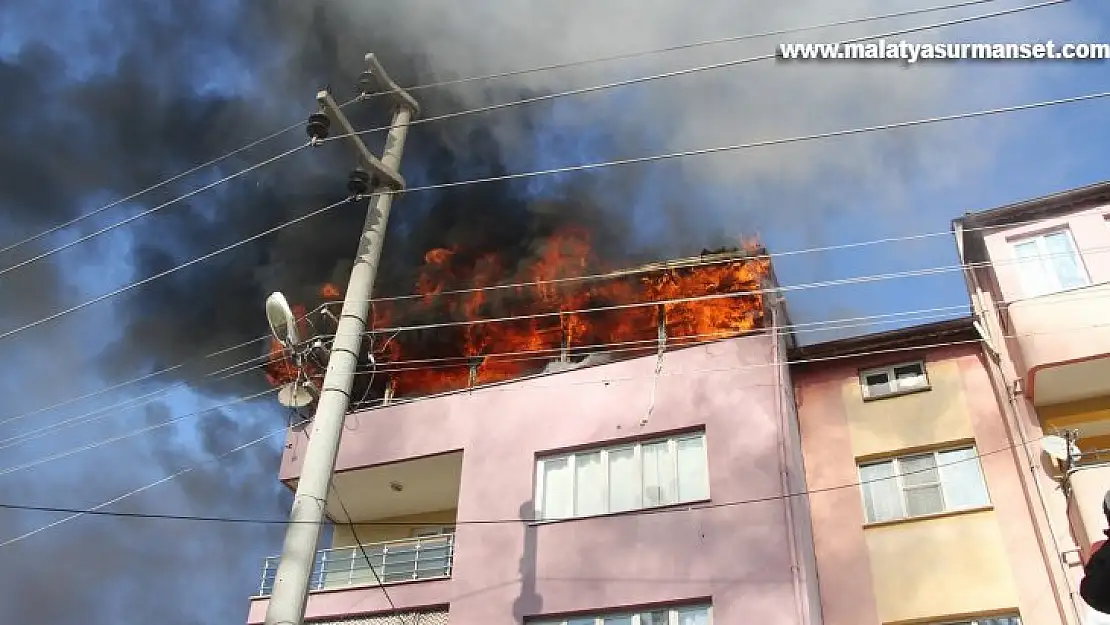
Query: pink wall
[[1089, 228], [737, 555], [843, 566]]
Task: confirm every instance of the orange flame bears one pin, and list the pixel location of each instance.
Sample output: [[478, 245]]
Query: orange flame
[[441, 359], [545, 303]]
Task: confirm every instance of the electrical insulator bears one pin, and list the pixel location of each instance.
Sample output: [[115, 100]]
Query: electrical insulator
[[358, 183], [318, 125]]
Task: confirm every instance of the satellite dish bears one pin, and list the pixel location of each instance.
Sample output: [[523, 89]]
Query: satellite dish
[[298, 394], [282, 322], [1058, 448]]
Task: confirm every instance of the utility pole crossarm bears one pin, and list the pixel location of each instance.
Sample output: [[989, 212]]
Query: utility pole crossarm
[[389, 177], [377, 74]]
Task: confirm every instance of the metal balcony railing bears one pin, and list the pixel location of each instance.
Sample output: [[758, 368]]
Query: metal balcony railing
[[394, 561]]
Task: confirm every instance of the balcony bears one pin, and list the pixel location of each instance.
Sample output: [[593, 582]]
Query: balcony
[[1087, 488], [392, 525], [389, 562], [1065, 344]]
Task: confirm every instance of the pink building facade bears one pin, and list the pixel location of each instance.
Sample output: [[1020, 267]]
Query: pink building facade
[[659, 483], [1038, 273], [918, 508]]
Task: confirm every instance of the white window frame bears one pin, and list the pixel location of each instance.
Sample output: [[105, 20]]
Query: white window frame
[[896, 388], [1045, 256], [637, 448], [672, 616], [902, 488]]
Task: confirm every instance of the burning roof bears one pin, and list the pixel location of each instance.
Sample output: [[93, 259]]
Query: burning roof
[[465, 327]]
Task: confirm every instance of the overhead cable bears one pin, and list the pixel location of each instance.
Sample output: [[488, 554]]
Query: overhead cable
[[585, 167], [694, 70]]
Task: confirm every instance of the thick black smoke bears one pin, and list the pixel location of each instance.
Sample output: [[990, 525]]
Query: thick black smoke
[[101, 98]]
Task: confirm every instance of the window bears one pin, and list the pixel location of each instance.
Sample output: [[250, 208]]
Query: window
[[921, 484], [1049, 263], [895, 380], [698, 615], [622, 478]]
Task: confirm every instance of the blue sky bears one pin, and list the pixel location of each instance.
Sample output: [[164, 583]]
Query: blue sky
[[1032, 153]]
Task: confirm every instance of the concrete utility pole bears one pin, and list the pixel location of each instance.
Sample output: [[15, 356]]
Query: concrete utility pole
[[302, 536]]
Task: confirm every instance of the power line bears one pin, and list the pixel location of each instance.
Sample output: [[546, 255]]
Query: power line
[[678, 263], [585, 167], [174, 178], [171, 270], [834, 324], [112, 410], [505, 386], [150, 211], [126, 435], [98, 511], [693, 70], [606, 348], [500, 106], [362, 547], [684, 46]]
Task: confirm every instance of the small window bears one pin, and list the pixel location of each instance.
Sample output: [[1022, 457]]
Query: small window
[[695, 615], [1048, 263], [621, 478], [885, 381], [922, 484]]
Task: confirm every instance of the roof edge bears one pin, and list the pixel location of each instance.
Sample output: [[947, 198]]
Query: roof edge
[[919, 336], [1034, 208]]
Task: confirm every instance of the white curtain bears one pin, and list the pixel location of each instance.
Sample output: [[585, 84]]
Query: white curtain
[[881, 496], [558, 489], [1064, 259], [624, 480], [660, 488], [1035, 277], [693, 474], [589, 484]]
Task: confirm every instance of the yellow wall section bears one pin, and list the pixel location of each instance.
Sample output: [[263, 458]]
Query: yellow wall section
[[1075, 413], [920, 419], [942, 566], [397, 528]]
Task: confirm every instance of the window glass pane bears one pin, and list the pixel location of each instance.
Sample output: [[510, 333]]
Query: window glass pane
[[624, 619], [661, 617], [660, 488], [964, 486], [582, 621], [924, 500], [589, 484], [693, 616], [877, 384], [1035, 276], [881, 497], [1064, 260], [693, 475], [624, 480], [909, 376], [558, 502], [918, 470]]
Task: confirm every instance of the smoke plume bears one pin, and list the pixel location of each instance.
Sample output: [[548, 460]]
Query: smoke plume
[[103, 98]]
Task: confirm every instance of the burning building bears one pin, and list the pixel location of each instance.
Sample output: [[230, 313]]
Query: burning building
[[464, 328], [589, 470]]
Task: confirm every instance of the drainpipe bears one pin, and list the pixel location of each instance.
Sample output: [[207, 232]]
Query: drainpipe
[[788, 514], [1011, 411]]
